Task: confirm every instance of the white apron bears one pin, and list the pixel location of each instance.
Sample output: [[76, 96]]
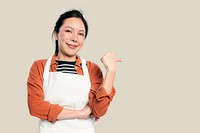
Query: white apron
[[70, 91]]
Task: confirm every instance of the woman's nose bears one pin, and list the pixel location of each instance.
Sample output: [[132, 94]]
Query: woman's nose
[[74, 37]]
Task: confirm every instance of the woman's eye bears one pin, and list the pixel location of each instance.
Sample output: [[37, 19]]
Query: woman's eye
[[82, 34], [68, 31]]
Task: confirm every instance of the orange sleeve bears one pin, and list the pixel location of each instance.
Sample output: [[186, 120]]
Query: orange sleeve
[[36, 104], [99, 100]]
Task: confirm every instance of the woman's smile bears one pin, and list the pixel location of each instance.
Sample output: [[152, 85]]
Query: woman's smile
[[72, 46]]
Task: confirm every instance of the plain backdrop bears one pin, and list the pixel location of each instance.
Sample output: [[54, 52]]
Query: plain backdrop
[[157, 84]]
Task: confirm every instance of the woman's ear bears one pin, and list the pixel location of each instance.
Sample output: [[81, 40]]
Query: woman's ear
[[55, 34]]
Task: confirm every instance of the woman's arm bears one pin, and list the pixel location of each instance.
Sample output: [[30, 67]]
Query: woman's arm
[[109, 60], [36, 104], [102, 90], [71, 114]]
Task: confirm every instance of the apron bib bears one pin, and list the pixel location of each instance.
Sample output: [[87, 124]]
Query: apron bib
[[70, 91]]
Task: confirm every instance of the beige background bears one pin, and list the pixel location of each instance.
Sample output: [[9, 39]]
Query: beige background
[[157, 84]]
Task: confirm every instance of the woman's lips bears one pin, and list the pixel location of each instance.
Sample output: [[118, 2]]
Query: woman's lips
[[71, 46]]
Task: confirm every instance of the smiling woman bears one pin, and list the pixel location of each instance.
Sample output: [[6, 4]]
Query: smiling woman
[[70, 38], [66, 92]]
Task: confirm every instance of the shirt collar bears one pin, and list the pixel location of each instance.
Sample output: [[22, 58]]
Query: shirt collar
[[78, 60]]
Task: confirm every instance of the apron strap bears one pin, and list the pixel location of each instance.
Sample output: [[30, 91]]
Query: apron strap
[[84, 67], [46, 68]]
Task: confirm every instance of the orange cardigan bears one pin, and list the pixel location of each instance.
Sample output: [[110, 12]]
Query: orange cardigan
[[99, 100]]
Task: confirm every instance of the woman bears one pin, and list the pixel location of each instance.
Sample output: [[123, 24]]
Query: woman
[[66, 92]]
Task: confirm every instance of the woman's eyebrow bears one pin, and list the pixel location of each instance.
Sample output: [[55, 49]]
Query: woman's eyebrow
[[73, 28], [68, 27]]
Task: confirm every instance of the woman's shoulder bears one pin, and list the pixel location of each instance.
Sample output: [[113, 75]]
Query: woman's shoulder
[[93, 67], [91, 64], [38, 64]]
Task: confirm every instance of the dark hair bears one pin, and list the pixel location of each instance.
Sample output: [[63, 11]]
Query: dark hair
[[69, 14]]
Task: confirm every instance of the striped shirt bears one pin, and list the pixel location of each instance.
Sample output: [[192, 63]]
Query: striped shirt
[[66, 67]]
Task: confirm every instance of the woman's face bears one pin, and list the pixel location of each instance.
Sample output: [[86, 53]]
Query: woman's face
[[70, 38]]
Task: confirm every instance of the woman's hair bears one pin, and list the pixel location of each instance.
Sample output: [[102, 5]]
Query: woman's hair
[[69, 14]]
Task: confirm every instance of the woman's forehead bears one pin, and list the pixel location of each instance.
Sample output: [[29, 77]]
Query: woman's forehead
[[75, 23]]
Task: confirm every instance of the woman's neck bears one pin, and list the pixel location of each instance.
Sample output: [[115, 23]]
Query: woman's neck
[[65, 58]]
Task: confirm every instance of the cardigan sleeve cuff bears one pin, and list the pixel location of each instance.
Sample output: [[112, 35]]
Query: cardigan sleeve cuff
[[53, 113], [101, 94]]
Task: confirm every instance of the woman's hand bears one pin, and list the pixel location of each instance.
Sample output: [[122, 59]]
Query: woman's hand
[[85, 113], [109, 60]]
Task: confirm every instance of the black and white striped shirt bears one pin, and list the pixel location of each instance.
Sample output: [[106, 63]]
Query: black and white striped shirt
[[66, 67]]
